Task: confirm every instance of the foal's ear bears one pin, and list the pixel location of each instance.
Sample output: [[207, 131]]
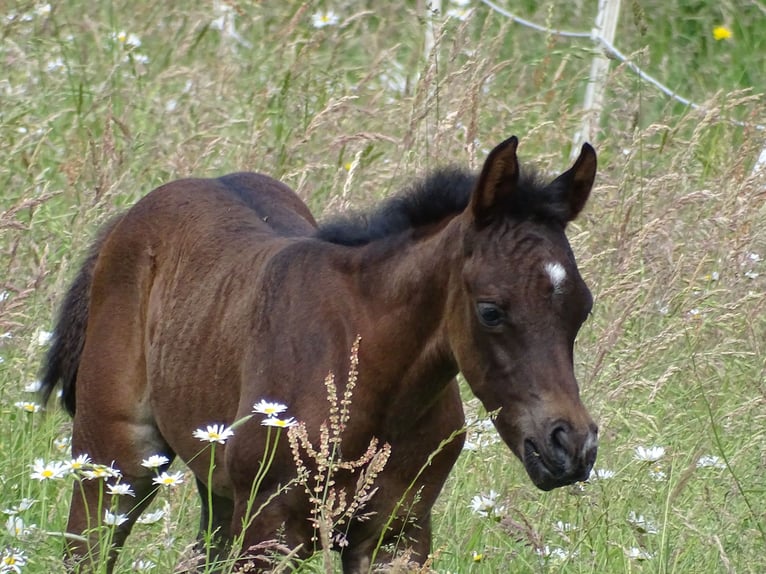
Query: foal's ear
[[497, 181], [575, 184]]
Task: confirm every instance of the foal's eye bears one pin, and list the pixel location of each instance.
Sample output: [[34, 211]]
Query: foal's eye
[[489, 314]]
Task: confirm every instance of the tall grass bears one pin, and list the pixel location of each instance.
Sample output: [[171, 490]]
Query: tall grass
[[672, 244]]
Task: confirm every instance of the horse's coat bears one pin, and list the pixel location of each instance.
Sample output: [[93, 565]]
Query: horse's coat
[[209, 295]]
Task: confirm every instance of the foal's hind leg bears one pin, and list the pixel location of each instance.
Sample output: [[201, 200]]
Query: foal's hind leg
[[113, 424]]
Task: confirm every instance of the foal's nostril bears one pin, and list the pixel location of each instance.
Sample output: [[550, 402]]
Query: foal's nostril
[[560, 439]]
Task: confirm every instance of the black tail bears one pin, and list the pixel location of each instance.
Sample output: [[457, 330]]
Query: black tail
[[63, 357]]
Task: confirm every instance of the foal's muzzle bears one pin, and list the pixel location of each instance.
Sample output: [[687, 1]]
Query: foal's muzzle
[[561, 456]]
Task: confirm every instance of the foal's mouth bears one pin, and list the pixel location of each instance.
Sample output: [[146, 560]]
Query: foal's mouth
[[547, 473]]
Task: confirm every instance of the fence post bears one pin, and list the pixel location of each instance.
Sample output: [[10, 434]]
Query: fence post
[[605, 27]]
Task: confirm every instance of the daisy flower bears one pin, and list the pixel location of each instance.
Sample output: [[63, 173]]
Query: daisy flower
[[326, 18], [33, 386], [43, 337], [113, 519], [120, 489], [642, 524], [710, 461], [649, 454], [155, 461], [25, 504], [166, 479], [142, 565], [486, 504], [150, 517], [128, 40], [62, 443], [601, 474], [16, 528], [12, 560], [28, 406], [268, 408], [78, 463], [42, 470], [214, 433], [279, 423], [638, 554], [101, 471]]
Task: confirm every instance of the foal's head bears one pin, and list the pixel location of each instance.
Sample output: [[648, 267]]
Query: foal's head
[[517, 312]]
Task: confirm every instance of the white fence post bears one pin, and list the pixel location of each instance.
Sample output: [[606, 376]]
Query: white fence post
[[606, 27]]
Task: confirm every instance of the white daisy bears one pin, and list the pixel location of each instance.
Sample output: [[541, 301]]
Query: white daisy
[[113, 519], [120, 489], [214, 433], [268, 408], [325, 18], [170, 480], [42, 470], [649, 454], [280, 423], [155, 461]]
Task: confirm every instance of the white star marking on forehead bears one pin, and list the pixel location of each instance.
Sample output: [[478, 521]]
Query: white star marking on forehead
[[557, 275]]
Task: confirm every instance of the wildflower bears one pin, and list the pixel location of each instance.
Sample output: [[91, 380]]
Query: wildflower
[[43, 10], [62, 443], [642, 524], [25, 504], [638, 554], [32, 387], [12, 561], [120, 489], [477, 556], [142, 565], [710, 461], [150, 517], [564, 526], [214, 433], [28, 406], [78, 463], [657, 473], [43, 337], [721, 33], [101, 471], [128, 40], [47, 471], [280, 423], [326, 18], [155, 461], [166, 479], [486, 504], [16, 527], [649, 454], [556, 554], [601, 474], [113, 519], [268, 408]]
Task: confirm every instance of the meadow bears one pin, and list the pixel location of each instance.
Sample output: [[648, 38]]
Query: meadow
[[100, 102]]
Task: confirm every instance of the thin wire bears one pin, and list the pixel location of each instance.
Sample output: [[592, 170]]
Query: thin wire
[[612, 51]]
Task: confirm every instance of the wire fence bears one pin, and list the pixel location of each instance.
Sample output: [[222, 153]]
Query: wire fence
[[611, 50]]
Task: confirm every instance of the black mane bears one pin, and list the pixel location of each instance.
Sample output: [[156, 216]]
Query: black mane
[[442, 194]]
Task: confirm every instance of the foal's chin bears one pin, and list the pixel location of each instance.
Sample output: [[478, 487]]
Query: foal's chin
[[546, 474]]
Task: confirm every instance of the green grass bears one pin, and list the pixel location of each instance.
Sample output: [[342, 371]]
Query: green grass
[[670, 243]]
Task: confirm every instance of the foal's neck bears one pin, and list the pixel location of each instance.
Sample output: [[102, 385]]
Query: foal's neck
[[406, 288]]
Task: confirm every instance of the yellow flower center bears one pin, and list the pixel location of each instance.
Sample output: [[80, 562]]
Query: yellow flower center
[[47, 473]]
